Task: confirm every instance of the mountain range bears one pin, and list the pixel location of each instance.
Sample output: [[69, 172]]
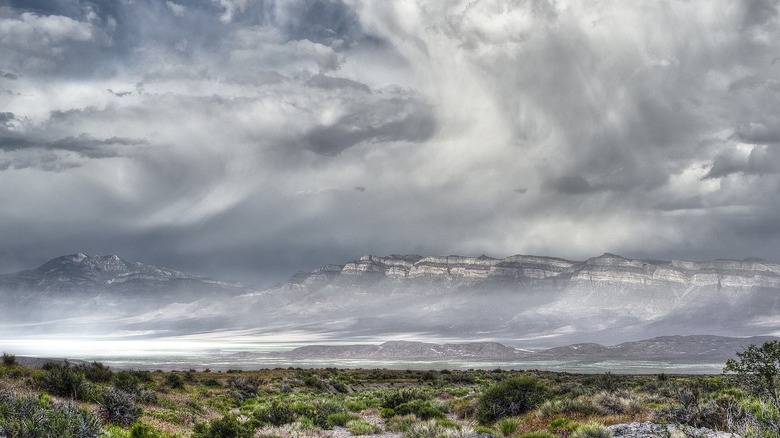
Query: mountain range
[[519, 300]]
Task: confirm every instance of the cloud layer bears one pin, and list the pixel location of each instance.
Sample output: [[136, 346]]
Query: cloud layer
[[252, 139]]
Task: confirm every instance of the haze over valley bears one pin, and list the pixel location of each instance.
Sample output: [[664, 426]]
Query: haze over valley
[[96, 304]]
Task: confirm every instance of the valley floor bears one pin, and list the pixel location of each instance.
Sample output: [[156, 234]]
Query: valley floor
[[328, 402]]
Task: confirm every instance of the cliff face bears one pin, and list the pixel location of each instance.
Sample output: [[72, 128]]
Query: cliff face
[[608, 270]]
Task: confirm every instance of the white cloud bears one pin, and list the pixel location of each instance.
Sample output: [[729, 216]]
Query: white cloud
[[176, 8]]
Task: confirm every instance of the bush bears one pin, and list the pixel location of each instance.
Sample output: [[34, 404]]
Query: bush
[[119, 407], [65, 380], [509, 398], [580, 405], [507, 426], [37, 416], [401, 396], [537, 435], [362, 427], [422, 409], [9, 360], [592, 430], [425, 429], [339, 419], [274, 413], [562, 426], [142, 430], [225, 427], [97, 372], [617, 402], [126, 381], [174, 380], [243, 388]]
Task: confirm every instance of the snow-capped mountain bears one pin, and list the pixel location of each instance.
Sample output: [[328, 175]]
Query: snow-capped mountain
[[80, 272]]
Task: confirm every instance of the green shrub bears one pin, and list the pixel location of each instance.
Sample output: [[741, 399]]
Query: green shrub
[[119, 407], [225, 427], [562, 426], [616, 402], [592, 430], [113, 431], [65, 380], [401, 423], [355, 405], [424, 429], [422, 409], [9, 359], [97, 372], [508, 398], [126, 381], [35, 416], [362, 427], [537, 435], [142, 430], [401, 396], [339, 419], [507, 426], [274, 413], [243, 388], [174, 380], [581, 405]]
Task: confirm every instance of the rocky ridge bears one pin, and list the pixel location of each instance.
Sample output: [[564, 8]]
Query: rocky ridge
[[82, 272], [604, 270]]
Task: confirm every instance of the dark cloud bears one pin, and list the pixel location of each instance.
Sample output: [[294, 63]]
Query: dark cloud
[[761, 160], [572, 185], [763, 132], [384, 121], [7, 75], [321, 21], [332, 83]]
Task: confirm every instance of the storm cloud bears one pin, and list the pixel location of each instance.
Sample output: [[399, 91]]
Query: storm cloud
[[253, 139]]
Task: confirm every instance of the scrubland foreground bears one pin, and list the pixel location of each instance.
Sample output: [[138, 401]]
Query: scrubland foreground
[[90, 400]]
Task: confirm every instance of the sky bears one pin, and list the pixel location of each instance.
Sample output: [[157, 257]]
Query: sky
[[249, 140]]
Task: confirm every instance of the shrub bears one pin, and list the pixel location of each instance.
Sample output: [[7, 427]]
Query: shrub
[[508, 398], [243, 388], [274, 413], [616, 402], [422, 409], [225, 427], [174, 380], [592, 430], [562, 426], [362, 427], [97, 372], [401, 396], [339, 419], [9, 359], [65, 380], [507, 426], [127, 381], [37, 416], [119, 407], [401, 423], [425, 429]]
